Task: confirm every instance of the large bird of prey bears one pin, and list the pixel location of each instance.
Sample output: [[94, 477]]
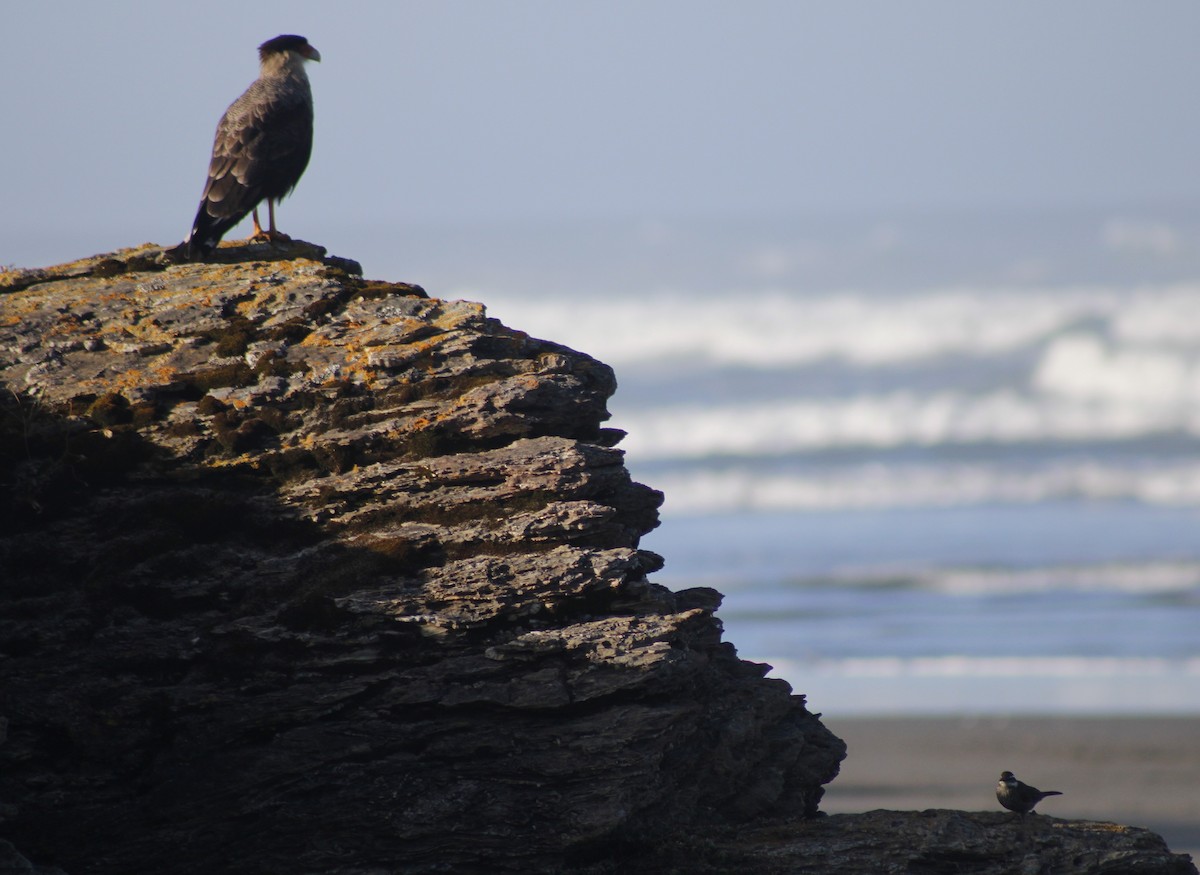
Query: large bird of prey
[[262, 146]]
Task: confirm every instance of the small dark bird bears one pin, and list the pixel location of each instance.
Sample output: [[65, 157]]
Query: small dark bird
[[1018, 796], [262, 146]]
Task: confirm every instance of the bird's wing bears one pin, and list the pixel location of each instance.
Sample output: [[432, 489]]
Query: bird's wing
[[262, 146]]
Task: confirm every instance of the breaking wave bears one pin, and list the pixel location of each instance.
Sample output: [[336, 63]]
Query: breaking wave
[[1007, 666], [897, 419], [877, 485], [965, 686], [778, 328]]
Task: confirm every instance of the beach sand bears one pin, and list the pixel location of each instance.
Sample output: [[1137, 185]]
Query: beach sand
[[1134, 771]]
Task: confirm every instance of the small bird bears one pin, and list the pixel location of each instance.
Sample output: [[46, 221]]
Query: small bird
[[261, 149], [1018, 796]]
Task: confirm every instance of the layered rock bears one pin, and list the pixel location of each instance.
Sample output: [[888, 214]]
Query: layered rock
[[308, 573], [932, 842], [301, 572]]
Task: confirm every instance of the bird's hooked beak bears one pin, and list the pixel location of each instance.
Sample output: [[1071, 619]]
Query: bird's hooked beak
[[311, 53]]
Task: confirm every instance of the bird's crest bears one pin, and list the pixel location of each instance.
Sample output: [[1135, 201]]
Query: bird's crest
[[287, 42]]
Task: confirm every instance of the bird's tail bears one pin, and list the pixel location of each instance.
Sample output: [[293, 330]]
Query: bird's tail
[[207, 231]]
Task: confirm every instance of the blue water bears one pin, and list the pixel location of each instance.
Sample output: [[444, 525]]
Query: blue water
[[1049, 608], [755, 549], [954, 472]]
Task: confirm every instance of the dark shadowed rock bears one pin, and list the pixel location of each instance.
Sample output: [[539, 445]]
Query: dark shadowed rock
[[933, 842], [319, 574], [301, 572]]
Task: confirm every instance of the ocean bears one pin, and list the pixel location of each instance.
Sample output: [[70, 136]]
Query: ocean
[[937, 465]]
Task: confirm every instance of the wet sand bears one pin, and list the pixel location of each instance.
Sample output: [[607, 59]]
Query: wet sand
[[1134, 771]]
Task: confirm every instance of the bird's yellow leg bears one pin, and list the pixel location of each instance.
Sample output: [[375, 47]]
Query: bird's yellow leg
[[272, 233], [258, 231]]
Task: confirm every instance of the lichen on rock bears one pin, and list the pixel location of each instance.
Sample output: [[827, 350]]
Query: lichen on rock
[[322, 574]]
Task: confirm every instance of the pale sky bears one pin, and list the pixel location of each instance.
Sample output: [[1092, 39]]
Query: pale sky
[[480, 111]]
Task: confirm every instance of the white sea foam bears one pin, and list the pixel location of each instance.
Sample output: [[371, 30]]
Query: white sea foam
[[882, 485], [1136, 579], [895, 419], [1139, 376], [1158, 315], [1161, 578], [781, 328], [1095, 364], [1154, 578], [1004, 666], [994, 685]]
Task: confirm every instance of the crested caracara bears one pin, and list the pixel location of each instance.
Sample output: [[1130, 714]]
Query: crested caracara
[[262, 146]]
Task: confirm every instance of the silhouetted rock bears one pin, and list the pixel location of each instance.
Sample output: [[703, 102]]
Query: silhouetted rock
[[928, 842], [309, 573]]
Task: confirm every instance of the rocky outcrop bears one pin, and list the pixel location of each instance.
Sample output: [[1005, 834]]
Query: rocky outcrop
[[301, 572], [309, 573]]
